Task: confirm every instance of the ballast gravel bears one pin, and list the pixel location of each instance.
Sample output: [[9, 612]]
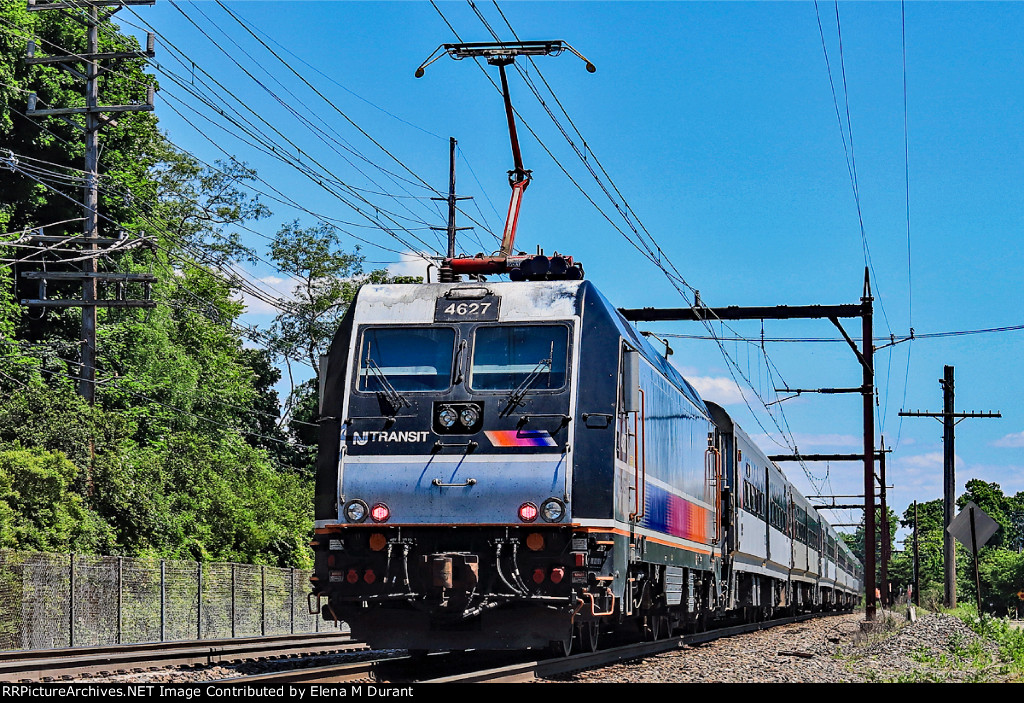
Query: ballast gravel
[[834, 649]]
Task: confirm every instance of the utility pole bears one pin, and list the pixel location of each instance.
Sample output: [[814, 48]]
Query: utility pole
[[917, 562], [447, 275], [948, 474], [867, 359], [883, 510], [95, 119]]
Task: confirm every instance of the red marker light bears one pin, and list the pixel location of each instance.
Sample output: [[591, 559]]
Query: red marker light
[[557, 574], [380, 513], [369, 576], [527, 512], [352, 576], [538, 576]]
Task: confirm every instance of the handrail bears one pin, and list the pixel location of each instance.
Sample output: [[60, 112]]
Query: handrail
[[713, 479], [640, 460]]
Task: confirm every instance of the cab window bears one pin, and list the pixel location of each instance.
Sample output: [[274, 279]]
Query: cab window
[[506, 357], [406, 359]]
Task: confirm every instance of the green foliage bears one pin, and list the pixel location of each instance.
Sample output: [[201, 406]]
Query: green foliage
[[1008, 638], [183, 454], [1001, 570], [40, 511], [189, 499], [328, 279], [128, 143]]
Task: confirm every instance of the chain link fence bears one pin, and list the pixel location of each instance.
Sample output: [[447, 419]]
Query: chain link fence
[[70, 600]]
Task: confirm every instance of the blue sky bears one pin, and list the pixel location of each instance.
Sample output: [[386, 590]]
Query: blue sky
[[717, 126]]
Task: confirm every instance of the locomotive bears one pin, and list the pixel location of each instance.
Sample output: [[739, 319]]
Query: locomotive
[[508, 465]]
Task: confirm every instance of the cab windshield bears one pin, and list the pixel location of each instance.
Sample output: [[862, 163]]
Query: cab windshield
[[513, 357], [406, 359]]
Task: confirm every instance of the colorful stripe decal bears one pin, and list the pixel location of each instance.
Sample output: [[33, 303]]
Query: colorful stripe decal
[[520, 438], [649, 538], [672, 514]]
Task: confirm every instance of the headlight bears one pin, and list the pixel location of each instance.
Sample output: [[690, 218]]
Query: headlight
[[355, 511], [553, 510], [447, 417], [469, 416]]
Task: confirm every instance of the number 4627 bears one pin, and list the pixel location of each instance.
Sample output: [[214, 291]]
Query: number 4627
[[467, 309]]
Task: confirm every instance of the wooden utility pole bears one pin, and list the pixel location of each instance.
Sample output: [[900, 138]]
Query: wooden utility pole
[[95, 119], [883, 512], [948, 475], [917, 562]]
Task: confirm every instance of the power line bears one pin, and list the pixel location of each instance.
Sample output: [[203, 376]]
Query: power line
[[648, 247]]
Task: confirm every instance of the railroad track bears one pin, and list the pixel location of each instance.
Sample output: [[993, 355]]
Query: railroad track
[[477, 667], [65, 664], [544, 668], [387, 667]]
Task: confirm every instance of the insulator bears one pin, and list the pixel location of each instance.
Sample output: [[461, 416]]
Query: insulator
[[446, 275], [558, 266]]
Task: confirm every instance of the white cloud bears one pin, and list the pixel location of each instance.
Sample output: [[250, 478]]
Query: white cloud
[[721, 390], [1015, 439], [411, 265], [273, 286]]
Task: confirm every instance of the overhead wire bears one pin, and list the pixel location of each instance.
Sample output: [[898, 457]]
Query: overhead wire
[[186, 86], [331, 142], [58, 136], [249, 332], [647, 245], [906, 176]]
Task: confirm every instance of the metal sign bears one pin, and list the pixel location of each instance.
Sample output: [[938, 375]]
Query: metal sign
[[481, 309], [984, 526]]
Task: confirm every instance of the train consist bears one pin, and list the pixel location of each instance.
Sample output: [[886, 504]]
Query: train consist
[[508, 465]]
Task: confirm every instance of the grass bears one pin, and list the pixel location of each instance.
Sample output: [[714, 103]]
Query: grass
[[996, 654], [1009, 639]]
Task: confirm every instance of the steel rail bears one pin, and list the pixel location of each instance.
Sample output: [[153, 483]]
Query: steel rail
[[332, 673], [52, 664]]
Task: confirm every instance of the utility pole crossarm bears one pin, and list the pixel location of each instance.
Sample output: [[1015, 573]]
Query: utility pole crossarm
[[96, 116], [700, 313], [918, 413], [34, 5], [825, 457]]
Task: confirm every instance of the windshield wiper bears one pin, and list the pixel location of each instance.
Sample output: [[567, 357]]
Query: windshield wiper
[[517, 395], [397, 400]]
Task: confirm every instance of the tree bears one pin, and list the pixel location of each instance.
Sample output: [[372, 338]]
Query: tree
[[327, 279], [174, 459]]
